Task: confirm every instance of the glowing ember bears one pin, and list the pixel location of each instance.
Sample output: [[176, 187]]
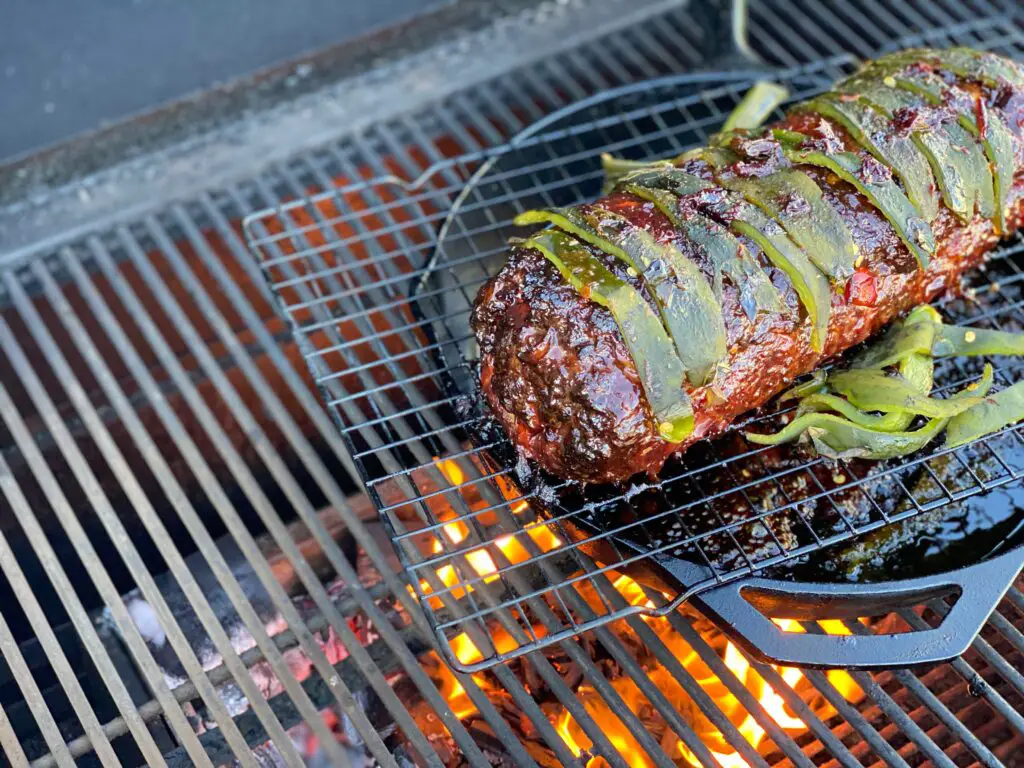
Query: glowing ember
[[514, 549], [480, 560], [773, 704]]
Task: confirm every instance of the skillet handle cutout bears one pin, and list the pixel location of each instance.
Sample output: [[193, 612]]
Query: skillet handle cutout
[[738, 607]]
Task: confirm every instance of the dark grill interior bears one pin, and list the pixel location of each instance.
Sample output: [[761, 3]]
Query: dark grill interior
[[180, 520]]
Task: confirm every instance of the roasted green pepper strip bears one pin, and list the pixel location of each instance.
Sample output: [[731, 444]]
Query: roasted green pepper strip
[[663, 200], [793, 199], [813, 385], [689, 309], [659, 367], [844, 440], [692, 312], [963, 341], [958, 161], [995, 412], [913, 335], [877, 391], [877, 185], [685, 300], [918, 370], [871, 130], [617, 167], [837, 437], [811, 285], [978, 120], [750, 221], [839, 443], [978, 65], [668, 178], [756, 106], [789, 139], [573, 222], [732, 261], [823, 402], [663, 187]]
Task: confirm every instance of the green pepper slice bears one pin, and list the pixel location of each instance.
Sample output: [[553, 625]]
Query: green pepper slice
[[848, 441], [668, 178], [617, 167], [963, 341], [688, 306], [793, 199], [978, 65], [838, 442], [958, 161], [919, 371], [913, 335], [977, 119], [730, 259], [573, 222], [663, 200], [836, 437], [812, 287], [872, 131], [659, 367], [813, 385], [756, 106], [691, 311], [823, 402], [877, 391], [916, 369], [995, 412], [881, 191]]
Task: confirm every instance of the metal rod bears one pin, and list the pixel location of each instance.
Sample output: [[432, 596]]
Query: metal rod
[[90, 559], [55, 654]]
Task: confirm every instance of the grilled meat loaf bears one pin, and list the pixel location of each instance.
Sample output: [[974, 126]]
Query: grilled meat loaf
[[905, 217]]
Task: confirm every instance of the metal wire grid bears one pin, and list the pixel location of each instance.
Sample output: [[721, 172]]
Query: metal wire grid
[[120, 702], [225, 348], [457, 514]]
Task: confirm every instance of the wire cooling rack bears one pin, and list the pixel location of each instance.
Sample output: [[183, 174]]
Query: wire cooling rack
[[377, 280]]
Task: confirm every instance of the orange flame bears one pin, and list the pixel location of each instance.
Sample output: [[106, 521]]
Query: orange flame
[[514, 550], [480, 560], [734, 660]]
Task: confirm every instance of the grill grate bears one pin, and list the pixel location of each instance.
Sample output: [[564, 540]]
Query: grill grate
[[239, 367], [485, 544]]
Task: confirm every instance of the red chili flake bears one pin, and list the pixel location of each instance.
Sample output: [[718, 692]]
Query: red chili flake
[[981, 117], [860, 288]]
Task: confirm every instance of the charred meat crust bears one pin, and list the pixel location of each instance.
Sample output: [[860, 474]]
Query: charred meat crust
[[558, 377]]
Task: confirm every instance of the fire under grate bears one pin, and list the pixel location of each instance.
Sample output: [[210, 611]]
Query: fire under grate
[[80, 685], [484, 541]]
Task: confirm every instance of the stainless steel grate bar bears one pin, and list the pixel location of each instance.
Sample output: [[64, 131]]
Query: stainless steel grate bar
[[102, 505], [410, 664], [56, 656], [91, 560], [132, 718], [165, 477]]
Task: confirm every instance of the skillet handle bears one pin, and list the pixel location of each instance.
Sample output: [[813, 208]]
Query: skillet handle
[[981, 587]]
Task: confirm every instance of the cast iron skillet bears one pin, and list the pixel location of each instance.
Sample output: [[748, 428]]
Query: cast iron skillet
[[740, 606]]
